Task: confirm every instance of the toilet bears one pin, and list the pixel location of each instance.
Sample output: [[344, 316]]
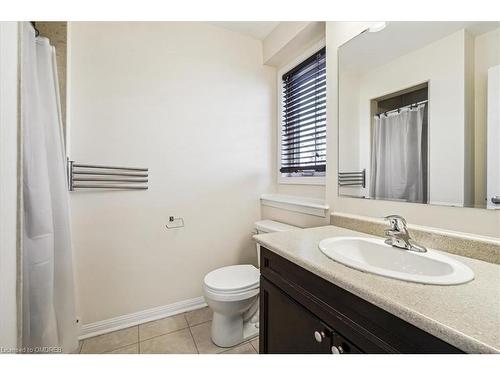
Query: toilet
[[232, 293]]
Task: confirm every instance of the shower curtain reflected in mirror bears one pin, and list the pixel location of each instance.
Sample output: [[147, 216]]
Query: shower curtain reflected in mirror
[[48, 308], [397, 159]]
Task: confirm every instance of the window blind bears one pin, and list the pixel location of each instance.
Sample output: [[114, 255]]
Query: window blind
[[303, 137]]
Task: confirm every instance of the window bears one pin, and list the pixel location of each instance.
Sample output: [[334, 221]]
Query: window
[[303, 124]]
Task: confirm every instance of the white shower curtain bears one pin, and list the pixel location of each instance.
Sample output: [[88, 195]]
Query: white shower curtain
[[397, 171], [48, 307]]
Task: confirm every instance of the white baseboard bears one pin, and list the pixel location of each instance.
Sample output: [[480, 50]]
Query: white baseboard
[[129, 320]]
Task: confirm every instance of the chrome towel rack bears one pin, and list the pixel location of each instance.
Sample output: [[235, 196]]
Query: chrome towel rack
[[352, 178], [89, 176]]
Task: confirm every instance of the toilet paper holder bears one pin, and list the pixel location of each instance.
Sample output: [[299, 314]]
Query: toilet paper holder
[[175, 222]]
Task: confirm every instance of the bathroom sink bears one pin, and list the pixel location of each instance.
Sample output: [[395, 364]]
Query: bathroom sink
[[374, 256]]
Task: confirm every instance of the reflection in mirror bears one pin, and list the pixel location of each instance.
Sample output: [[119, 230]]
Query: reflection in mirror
[[419, 106]]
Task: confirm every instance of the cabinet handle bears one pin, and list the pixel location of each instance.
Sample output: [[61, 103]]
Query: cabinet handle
[[337, 349], [319, 336]]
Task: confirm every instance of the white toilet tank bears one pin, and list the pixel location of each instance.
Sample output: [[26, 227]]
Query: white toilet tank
[[270, 226]]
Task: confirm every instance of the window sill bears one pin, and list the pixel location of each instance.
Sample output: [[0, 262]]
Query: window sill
[[310, 206], [320, 180]]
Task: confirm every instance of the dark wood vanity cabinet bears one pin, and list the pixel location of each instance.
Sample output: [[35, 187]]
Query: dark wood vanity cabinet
[[291, 328], [302, 313]]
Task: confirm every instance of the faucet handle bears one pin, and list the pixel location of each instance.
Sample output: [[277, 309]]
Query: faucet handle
[[397, 222]]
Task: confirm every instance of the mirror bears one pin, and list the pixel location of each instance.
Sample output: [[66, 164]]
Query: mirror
[[419, 113]]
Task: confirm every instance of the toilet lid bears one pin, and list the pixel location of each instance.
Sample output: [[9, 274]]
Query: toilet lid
[[233, 278]]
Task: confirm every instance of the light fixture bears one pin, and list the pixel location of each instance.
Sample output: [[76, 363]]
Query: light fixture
[[376, 27]]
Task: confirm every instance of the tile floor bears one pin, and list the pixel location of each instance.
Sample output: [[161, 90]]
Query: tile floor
[[187, 333]]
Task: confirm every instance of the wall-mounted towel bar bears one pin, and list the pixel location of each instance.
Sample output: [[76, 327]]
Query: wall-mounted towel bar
[[352, 178], [89, 176]]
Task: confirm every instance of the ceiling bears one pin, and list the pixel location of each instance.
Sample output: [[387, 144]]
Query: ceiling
[[369, 50], [255, 29]]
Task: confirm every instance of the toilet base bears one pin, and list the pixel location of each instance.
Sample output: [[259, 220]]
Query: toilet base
[[250, 330], [231, 331]]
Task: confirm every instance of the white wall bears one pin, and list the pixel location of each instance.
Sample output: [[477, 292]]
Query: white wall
[[441, 64], [299, 219], [8, 185], [289, 39], [470, 220], [194, 103], [486, 55], [468, 128]]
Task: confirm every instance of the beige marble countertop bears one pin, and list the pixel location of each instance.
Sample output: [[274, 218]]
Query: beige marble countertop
[[466, 316]]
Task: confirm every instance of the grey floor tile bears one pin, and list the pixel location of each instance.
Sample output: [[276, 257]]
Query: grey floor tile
[[179, 342], [110, 341], [130, 349], [201, 335], [196, 317], [255, 344], [245, 348], [162, 326]]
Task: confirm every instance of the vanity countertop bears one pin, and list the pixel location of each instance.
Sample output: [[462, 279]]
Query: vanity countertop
[[466, 316]]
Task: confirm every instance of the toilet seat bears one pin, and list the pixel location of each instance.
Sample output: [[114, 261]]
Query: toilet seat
[[232, 283]]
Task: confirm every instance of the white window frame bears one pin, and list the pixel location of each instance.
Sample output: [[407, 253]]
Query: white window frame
[[294, 180]]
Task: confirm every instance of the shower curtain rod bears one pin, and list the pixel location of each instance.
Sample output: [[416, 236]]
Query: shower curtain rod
[[400, 108]]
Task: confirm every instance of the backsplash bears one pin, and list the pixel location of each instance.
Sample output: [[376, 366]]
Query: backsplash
[[477, 247]]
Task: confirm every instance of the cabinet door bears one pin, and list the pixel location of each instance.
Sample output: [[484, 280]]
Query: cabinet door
[[287, 327]]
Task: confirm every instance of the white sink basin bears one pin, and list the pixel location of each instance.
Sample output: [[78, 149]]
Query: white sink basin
[[374, 256]]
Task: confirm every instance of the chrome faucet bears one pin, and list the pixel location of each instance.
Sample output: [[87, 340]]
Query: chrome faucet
[[398, 235]]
